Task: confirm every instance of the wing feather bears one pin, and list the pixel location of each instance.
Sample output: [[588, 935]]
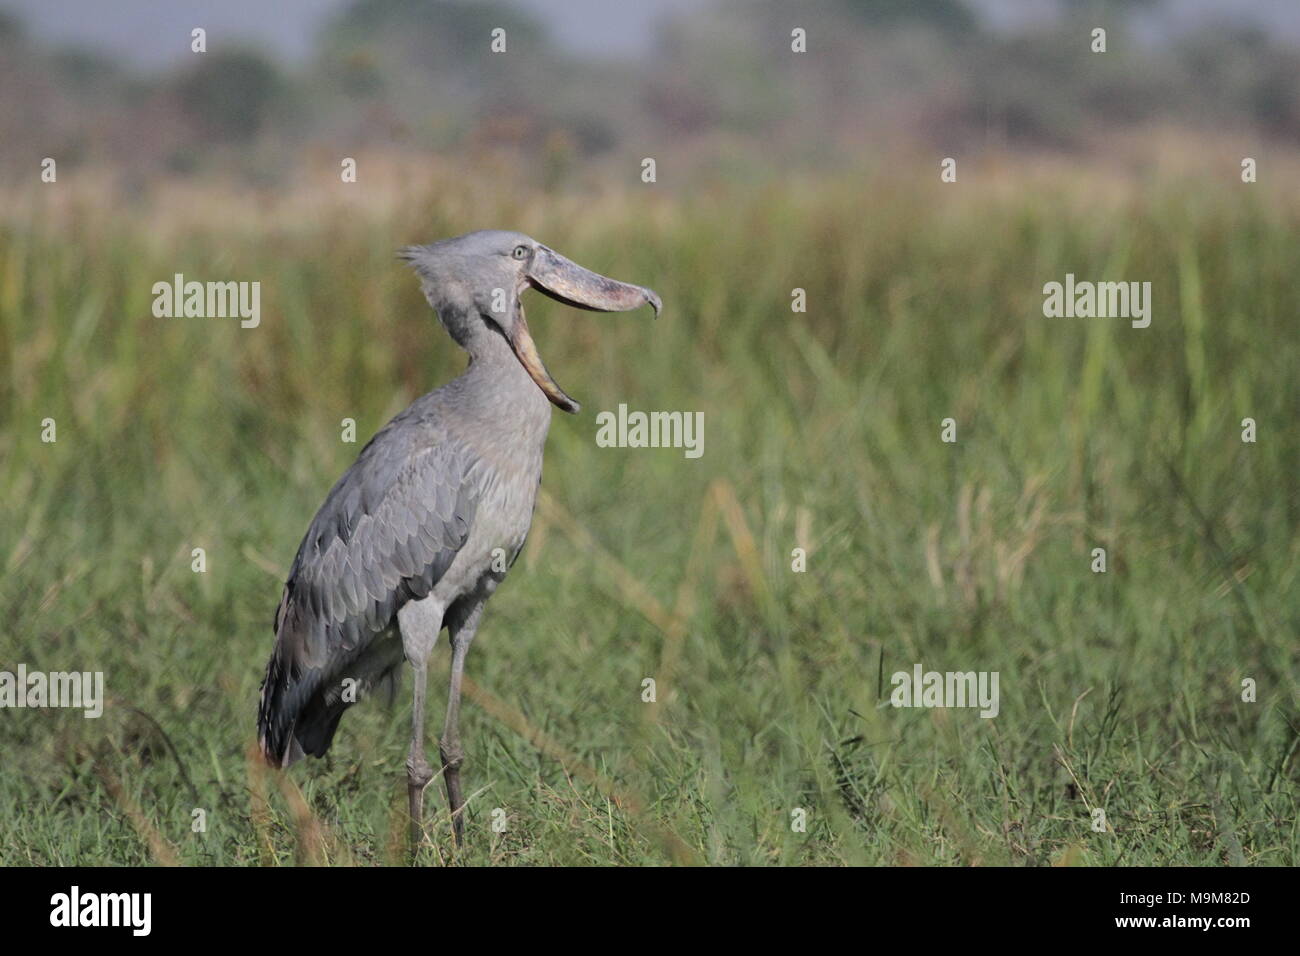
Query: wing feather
[[386, 534]]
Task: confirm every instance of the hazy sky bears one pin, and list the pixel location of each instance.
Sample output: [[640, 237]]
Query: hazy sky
[[151, 32], [155, 31]]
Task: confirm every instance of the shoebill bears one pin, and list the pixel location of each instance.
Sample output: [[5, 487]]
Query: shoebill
[[418, 533]]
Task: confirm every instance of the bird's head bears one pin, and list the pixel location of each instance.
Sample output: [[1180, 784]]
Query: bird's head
[[474, 283]]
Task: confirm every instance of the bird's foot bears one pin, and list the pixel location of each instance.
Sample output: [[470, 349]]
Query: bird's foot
[[453, 757], [418, 775]]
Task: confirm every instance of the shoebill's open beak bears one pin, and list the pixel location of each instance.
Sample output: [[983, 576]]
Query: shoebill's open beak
[[567, 282]]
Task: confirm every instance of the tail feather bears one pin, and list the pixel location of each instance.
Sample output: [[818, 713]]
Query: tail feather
[[303, 699]]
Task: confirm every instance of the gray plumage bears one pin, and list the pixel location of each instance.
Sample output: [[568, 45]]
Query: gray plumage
[[419, 532]]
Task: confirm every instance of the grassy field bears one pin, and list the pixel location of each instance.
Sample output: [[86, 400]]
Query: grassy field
[[1119, 690]]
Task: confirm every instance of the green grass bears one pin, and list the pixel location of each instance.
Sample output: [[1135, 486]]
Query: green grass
[[1120, 690]]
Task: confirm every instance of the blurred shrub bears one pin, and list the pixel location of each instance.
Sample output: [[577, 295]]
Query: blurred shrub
[[229, 94]]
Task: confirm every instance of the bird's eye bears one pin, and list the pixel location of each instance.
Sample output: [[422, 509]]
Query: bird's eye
[[521, 252]]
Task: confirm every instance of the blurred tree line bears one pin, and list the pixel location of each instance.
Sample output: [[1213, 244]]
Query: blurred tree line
[[418, 75]]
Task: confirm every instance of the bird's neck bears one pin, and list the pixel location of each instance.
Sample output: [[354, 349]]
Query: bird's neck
[[485, 344], [501, 387]]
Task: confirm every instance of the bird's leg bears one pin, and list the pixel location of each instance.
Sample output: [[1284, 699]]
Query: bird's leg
[[419, 623], [418, 771], [462, 634]]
